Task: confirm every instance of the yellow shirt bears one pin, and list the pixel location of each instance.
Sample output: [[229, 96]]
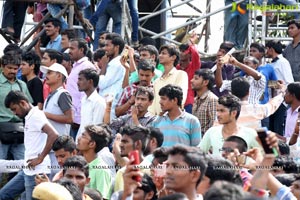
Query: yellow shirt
[[175, 77]]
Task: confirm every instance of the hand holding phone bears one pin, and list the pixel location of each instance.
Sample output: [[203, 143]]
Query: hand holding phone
[[262, 135], [134, 155]]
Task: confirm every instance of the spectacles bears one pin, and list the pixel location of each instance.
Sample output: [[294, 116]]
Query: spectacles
[[226, 149]]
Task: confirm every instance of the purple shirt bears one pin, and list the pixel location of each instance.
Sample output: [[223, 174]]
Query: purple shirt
[[72, 87], [290, 123]]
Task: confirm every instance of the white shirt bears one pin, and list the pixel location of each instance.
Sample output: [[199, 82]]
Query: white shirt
[[283, 69], [92, 111], [111, 82], [35, 140]]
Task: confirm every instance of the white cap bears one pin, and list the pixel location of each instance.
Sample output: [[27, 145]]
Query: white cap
[[56, 68]]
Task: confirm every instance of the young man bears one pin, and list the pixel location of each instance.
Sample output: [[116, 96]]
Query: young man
[[92, 104], [30, 67], [139, 111], [127, 98], [177, 126], [76, 169], [185, 169], [78, 50], [292, 51], [205, 104], [93, 139], [112, 75], [169, 57], [8, 82], [228, 111], [39, 136], [66, 36]]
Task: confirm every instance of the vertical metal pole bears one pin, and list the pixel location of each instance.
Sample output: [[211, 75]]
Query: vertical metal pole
[[71, 16], [207, 27], [163, 19], [124, 19], [264, 24]]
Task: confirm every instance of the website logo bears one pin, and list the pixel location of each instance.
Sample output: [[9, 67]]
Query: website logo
[[237, 8]]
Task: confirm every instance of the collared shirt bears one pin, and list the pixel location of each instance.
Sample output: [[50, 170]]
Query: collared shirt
[[190, 70], [127, 93], [72, 87], [117, 123], [283, 69], [290, 122], [92, 111], [5, 87], [185, 129], [213, 139], [176, 77], [252, 114], [205, 108], [55, 44], [292, 55], [111, 82]]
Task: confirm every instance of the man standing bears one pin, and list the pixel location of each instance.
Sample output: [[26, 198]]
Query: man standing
[[39, 136], [92, 104], [112, 75], [169, 57], [228, 111], [205, 104], [127, 99], [177, 126], [78, 51], [8, 82], [292, 51]]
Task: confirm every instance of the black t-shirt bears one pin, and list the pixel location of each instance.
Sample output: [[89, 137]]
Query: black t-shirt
[[35, 87]]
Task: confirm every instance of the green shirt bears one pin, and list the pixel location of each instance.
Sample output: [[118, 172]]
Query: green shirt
[[159, 70], [100, 177], [5, 87]]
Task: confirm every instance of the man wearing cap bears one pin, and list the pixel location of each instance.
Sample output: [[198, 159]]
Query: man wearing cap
[[58, 104]]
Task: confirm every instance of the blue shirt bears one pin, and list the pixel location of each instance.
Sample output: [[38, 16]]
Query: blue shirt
[[55, 44], [185, 129], [269, 72]]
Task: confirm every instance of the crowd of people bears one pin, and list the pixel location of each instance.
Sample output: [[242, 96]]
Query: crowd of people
[[146, 122]]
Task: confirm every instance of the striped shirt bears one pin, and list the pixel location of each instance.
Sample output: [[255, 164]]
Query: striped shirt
[[185, 129], [204, 109]]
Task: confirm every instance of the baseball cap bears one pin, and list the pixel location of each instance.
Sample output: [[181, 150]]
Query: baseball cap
[[53, 191], [56, 68]]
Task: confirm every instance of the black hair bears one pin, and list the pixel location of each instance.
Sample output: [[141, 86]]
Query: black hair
[[32, 59], [148, 186], [276, 45], [241, 143], [145, 91], [147, 41], [294, 89], [157, 134], [193, 156], [93, 193], [251, 59], [65, 142], [160, 154], [71, 187], [15, 97], [146, 65], [56, 23], [70, 33], [66, 57], [172, 50], [98, 54], [284, 148], [137, 133], [81, 43], [10, 59], [183, 47], [232, 103], [286, 163], [100, 135], [207, 74], [116, 40], [260, 47], [219, 169], [172, 92], [90, 74], [240, 87], [227, 46], [12, 49], [286, 179], [53, 54], [76, 162], [296, 22], [151, 49]]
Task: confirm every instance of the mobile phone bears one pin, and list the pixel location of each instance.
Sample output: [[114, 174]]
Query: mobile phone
[[134, 155], [241, 159], [125, 54], [262, 135]]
